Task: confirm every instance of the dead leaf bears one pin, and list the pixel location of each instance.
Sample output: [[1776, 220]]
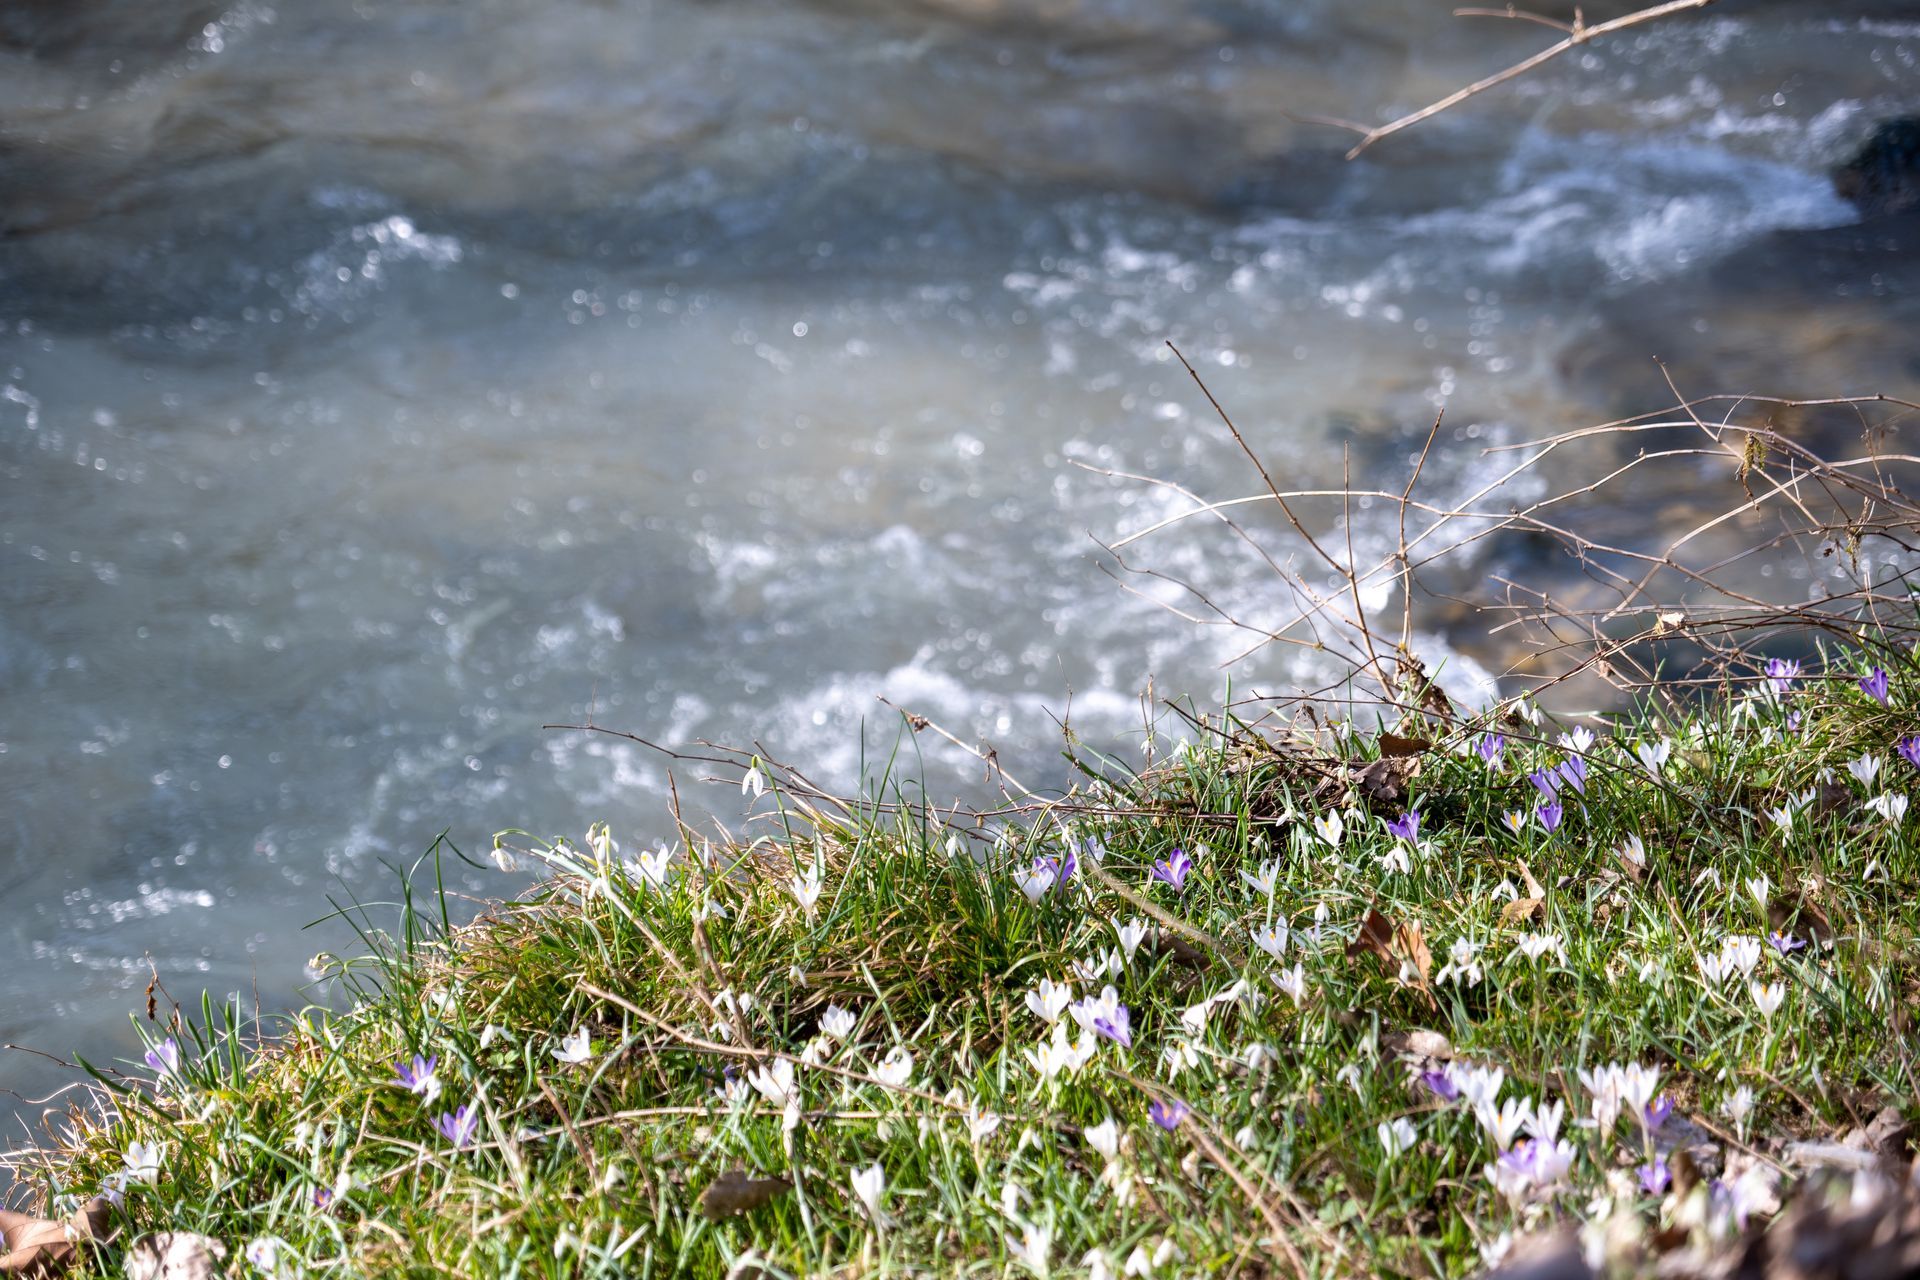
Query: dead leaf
[[1392, 745], [735, 1192], [44, 1247], [1792, 913], [1522, 910], [1418, 1042], [1533, 886], [1384, 781], [1400, 947], [175, 1255]]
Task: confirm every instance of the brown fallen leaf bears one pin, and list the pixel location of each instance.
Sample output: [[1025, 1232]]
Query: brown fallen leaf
[[1523, 910], [1401, 947], [1384, 781], [735, 1192], [1392, 745], [44, 1247], [1418, 1042], [1791, 913], [175, 1255]]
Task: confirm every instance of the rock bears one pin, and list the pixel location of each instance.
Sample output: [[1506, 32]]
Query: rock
[[1883, 176]]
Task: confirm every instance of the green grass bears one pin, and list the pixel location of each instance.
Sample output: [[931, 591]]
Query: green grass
[[922, 931]]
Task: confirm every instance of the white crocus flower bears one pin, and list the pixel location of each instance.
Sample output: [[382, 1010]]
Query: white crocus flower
[[143, 1161], [1104, 1138], [1654, 755], [1033, 1248], [870, 1185], [655, 867], [1330, 828], [1050, 999], [774, 1082], [806, 887], [1398, 1137], [1760, 887], [1131, 935], [1293, 982], [1865, 769], [838, 1023], [1742, 951], [575, 1049], [1892, 807], [1264, 882], [1768, 996], [1738, 1106], [1271, 939], [1504, 1122], [896, 1068]]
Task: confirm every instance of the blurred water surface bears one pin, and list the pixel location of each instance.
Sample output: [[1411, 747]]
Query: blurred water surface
[[380, 380]]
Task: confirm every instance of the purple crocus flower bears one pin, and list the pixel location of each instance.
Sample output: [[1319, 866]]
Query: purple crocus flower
[[1168, 1115], [1173, 869], [1069, 865], [1657, 1112], [1874, 685], [1441, 1085], [1782, 672], [1574, 773], [1784, 943], [1550, 815], [1490, 746], [322, 1197], [459, 1125], [1406, 826], [1655, 1178], [1545, 781], [1118, 1028], [1793, 722], [165, 1057], [418, 1075], [1909, 749]]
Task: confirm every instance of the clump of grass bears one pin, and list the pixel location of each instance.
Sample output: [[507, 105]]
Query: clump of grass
[[1240, 1013]]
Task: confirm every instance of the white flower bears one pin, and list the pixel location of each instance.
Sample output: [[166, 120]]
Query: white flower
[[1104, 1138], [1035, 1243], [1653, 755], [1050, 999], [1037, 881], [1096, 967], [806, 888], [1536, 945], [1193, 1019], [1768, 996], [1865, 769], [838, 1023], [1479, 1086], [753, 783], [1546, 1120], [1738, 1106], [575, 1049], [1603, 1085], [655, 867], [1579, 741], [1271, 939], [1131, 935], [1760, 887], [1396, 859], [143, 1161], [1503, 1123], [1098, 1268], [1139, 1262], [1631, 850], [1892, 807], [503, 858], [981, 1125], [1349, 1075], [1397, 1137], [1463, 965], [1330, 827], [1293, 982], [263, 1254], [1782, 817], [870, 1185], [1639, 1086], [1054, 1055], [1180, 1055], [896, 1068], [1741, 951], [1264, 882], [774, 1082]]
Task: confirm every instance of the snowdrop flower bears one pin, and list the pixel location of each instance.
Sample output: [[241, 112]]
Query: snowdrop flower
[[1172, 870], [1264, 882], [1349, 1075], [1864, 769], [1169, 1114], [774, 1082], [1271, 939], [837, 1023], [1181, 1055], [1396, 859], [164, 1057], [895, 1069], [1037, 881], [1737, 1107], [656, 867], [143, 1161], [1050, 999], [1768, 996], [1398, 1137], [1891, 807], [1524, 709], [1536, 945], [1330, 828], [1293, 982], [1874, 685], [1104, 1138], [806, 888], [1463, 964], [1503, 1123], [1654, 755], [1131, 935], [1760, 887], [870, 1185], [575, 1049], [459, 1125], [1516, 820], [1097, 1265], [419, 1077], [753, 783]]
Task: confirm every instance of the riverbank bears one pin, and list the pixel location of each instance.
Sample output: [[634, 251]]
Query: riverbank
[[1311, 998]]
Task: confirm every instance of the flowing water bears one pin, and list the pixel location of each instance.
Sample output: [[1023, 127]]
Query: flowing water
[[381, 380]]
